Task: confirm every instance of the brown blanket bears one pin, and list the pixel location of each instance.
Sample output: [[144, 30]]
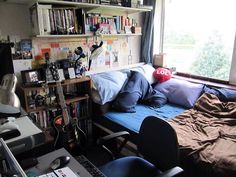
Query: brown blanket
[[207, 133]]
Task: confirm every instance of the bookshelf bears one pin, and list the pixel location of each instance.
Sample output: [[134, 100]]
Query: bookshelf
[[90, 7], [53, 18], [78, 102]]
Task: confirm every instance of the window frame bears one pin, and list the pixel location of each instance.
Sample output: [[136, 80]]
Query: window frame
[[159, 28]]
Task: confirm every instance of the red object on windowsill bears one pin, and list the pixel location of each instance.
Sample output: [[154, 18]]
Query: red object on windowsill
[[162, 74]]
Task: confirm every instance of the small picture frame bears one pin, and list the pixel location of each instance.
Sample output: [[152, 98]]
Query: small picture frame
[[31, 77], [71, 72], [61, 75]]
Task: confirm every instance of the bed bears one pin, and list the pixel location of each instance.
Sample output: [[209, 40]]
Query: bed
[[206, 127], [131, 122], [207, 135]]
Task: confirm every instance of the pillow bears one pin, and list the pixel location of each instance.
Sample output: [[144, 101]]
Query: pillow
[[227, 94], [223, 94], [107, 86], [162, 74], [148, 73], [180, 92], [147, 70]]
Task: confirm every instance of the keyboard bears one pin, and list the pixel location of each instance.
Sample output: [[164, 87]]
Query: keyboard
[[94, 171]]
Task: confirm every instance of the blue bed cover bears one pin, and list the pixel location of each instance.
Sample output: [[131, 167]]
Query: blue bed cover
[[133, 121]]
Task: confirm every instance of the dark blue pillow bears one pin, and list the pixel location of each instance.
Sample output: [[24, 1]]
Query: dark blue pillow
[[223, 94], [210, 90], [227, 94], [126, 102], [157, 99]]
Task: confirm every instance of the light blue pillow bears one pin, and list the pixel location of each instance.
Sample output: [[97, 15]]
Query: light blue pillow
[[107, 86], [180, 92]]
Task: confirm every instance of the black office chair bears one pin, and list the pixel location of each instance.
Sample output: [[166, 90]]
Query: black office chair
[[158, 144]]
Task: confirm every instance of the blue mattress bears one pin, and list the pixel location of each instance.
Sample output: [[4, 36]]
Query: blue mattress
[[133, 121]]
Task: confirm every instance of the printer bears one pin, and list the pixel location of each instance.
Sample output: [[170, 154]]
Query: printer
[[30, 136]]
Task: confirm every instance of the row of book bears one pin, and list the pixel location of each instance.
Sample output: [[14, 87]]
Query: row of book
[[79, 110], [47, 20], [44, 118], [125, 3], [88, 1], [52, 20], [109, 25]]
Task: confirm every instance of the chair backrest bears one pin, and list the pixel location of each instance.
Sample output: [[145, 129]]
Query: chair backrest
[[158, 143]]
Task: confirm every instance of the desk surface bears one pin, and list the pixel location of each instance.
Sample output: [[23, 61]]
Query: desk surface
[[44, 161]]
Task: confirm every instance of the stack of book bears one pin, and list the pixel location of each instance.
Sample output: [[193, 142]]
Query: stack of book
[[48, 20], [109, 25]]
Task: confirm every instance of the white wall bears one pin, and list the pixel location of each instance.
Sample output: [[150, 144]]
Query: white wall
[[14, 21]]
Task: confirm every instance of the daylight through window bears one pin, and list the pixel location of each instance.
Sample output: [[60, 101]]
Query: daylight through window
[[199, 36]]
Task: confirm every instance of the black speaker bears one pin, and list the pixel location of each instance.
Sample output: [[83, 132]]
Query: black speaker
[[6, 63]]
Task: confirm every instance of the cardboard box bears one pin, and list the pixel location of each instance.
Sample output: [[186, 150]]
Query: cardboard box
[[159, 60], [136, 29]]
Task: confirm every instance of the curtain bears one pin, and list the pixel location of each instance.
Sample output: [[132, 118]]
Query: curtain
[[147, 36]]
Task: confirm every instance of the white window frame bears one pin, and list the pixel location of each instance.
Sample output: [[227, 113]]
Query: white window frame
[[159, 27]]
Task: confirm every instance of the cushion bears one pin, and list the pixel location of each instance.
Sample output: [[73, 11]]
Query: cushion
[[147, 70], [180, 92], [162, 74], [106, 86], [223, 94], [227, 94]]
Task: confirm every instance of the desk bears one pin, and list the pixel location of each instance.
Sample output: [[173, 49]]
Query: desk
[[45, 160]]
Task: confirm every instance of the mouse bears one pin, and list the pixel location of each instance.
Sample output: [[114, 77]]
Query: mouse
[[59, 162]]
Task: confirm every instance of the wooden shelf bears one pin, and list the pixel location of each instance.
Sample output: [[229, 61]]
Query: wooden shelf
[[65, 82], [76, 80], [84, 94], [117, 10], [132, 34], [76, 99], [85, 35], [65, 36], [89, 7], [68, 101]]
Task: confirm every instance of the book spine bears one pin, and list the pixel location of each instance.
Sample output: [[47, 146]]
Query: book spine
[[52, 21], [46, 21], [40, 20], [63, 20]]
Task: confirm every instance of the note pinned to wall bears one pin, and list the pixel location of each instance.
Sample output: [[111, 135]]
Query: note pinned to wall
[[20, 65]]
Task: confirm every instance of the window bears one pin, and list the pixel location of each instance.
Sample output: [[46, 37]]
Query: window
[[199, 37]]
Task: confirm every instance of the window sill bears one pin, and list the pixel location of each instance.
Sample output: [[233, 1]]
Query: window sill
[[209, 83]]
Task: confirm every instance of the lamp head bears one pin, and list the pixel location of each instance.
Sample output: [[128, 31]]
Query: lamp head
[[9, 102], [96, 50]]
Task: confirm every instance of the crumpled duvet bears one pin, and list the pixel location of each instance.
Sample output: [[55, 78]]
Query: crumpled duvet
[[207, 133]]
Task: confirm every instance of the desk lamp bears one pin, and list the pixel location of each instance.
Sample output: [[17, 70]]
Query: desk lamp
[[9, 106], [9, 102]]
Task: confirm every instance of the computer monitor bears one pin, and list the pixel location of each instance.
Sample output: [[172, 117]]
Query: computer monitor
[[8, 164]]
